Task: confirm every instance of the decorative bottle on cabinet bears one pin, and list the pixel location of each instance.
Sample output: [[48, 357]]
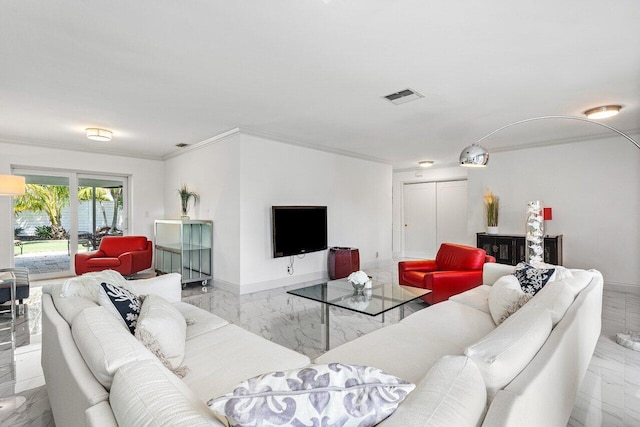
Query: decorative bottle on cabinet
[[185, 247]]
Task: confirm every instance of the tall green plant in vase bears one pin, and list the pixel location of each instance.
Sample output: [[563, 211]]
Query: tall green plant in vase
[[185, 196], [492, 205]]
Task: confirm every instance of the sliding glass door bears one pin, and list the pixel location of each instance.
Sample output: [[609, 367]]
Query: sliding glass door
[[101, 208], [52, 223]]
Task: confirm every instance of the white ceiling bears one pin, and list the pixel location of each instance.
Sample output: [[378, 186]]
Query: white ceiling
[[313, 72]]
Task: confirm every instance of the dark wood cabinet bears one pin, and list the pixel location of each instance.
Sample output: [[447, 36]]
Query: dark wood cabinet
[[510, 249]]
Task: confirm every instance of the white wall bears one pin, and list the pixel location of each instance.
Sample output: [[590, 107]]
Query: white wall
[[433, 174], [594, 190], [146, 194], [357, 194], [240, 177], [213, 172]]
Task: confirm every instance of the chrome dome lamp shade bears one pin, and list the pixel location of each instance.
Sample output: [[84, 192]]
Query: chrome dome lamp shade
[[474, 156]]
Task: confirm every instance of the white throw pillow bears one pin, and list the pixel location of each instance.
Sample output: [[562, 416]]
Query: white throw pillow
[[492, 271], [336, 394], [451, 394], [104, 344], [88, 284], [504, 352], [505, 298], [163, 330]]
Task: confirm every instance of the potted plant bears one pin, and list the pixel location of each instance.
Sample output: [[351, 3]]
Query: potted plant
[[185, 196], [492, 205]]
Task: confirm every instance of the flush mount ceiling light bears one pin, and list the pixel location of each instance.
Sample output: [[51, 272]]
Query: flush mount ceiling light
[[602, 112], [98, 134], [425, 163]]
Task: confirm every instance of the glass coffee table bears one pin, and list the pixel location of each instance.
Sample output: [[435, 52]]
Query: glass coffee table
[[372, 302]]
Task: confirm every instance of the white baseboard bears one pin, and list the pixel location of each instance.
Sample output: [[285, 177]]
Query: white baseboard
[[626, 288], [250, 288], [318, 277]]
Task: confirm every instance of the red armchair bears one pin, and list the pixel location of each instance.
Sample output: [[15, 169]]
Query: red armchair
[[125, 254], [456, 269]]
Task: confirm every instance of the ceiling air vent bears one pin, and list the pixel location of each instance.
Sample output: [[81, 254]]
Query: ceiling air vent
[[182, 145], [403, 96]]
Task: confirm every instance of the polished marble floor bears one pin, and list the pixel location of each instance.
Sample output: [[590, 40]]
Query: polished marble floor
[[609, 396]]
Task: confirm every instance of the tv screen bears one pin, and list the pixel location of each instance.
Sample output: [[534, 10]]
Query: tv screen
[[298, 229]]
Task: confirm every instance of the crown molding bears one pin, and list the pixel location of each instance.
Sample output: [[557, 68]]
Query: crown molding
[[273, 137], [76, 149], [331, 150], [198, 145]]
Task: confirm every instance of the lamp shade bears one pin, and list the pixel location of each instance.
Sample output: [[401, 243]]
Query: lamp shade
[[11, 185], [474, 156]]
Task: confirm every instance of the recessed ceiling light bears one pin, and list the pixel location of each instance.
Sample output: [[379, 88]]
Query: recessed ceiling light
[[425, 163], [98, 134], [603, 112]]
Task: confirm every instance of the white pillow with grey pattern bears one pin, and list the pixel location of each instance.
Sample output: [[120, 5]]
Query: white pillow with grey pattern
[[333, 394]]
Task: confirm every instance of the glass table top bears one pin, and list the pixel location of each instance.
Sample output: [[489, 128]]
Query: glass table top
[[377, 300]]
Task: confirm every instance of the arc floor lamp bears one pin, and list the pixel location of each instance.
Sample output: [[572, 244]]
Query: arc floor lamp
[[476, 155]]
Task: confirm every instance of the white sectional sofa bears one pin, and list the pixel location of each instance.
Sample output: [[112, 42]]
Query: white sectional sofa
[[468, 371]]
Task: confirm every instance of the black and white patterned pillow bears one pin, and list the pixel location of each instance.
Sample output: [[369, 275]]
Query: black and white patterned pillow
[[335, 394], [532, 279], [121, 303]]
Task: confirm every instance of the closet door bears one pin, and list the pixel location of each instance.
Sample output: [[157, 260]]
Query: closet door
[[419, 215], [451, 216]]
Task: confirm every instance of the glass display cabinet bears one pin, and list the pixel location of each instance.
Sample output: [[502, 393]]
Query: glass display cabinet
[[186, 247]]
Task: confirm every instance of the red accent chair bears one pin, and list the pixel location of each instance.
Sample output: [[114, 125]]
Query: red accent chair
[[125, 254], [456, 269]]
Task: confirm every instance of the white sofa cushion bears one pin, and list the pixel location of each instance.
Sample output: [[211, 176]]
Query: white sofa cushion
[[452, 394], [505, 298], [477, 298], [503, 353], [168, 286], [221, 358], [492, 271], [147, 394], [200, 321], [556, 297], [579, 280], [105, 344], [451, 321], [335, 394], [69, 307], [162, 329]]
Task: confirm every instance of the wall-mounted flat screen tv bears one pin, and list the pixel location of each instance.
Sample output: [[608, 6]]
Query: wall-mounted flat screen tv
[[298, 229]]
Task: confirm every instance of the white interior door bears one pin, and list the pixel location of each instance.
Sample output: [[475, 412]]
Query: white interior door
[[419, 215], [451, 206]]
